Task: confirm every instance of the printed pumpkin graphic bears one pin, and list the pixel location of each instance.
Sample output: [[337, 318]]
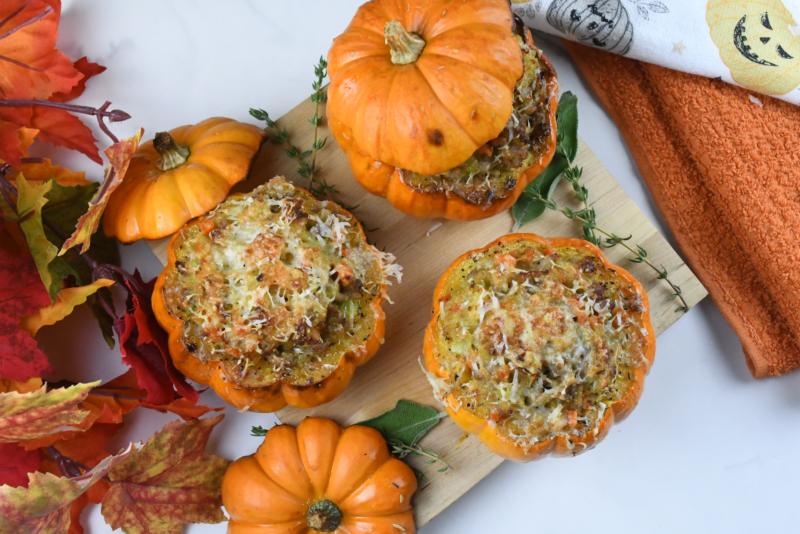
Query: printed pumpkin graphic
[[756, 43], [602, 23]]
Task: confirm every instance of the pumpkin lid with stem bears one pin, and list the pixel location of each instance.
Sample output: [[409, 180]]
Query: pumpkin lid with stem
[[421, 85]]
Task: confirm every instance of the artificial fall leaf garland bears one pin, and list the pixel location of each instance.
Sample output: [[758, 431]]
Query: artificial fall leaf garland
[[55, 437]]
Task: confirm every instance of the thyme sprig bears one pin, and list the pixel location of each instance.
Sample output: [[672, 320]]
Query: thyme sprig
[[307, 166], [587, 218], [538, 196], [401, 450]]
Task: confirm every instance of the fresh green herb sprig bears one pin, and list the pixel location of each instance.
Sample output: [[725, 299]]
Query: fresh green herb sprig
[[586, 217], [306, 158], [401, 450], [538, 197]]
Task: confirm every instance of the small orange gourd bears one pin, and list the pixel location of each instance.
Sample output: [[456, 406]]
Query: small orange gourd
[[320, 477], [420, 86], [179, 175]]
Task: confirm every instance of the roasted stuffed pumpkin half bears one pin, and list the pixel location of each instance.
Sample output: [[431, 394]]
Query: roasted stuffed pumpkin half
[[538, 345], [273, 298], [445, 108]]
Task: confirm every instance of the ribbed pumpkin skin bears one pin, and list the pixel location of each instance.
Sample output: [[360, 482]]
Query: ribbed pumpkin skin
[[431, 115], [271, 491], [151, 203], [487, 432]]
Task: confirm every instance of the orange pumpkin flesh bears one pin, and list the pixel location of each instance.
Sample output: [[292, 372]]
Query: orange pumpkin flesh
[[180, 175], [420, 87], [319, 477], [490, 431], [274, 396]]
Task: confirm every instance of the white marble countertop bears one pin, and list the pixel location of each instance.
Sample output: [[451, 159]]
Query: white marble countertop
[[709, 449]]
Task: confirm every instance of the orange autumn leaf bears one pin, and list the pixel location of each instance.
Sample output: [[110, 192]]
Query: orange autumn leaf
[[88, 69], [65, 302], [15, 141], [56, 126], [20, 386], [30, 64], [44, 170], [119, 157]]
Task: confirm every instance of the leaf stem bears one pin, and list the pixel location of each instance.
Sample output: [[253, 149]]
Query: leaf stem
[[35, 18], [102, 113], [68, 466]]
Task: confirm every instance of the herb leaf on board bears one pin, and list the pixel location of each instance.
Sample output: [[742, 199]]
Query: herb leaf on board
[[407, 422], [529, 206], [567, 126]]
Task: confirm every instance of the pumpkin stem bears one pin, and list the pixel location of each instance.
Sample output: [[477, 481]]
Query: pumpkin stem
[[404, 46], [323, 516], [172, 154]]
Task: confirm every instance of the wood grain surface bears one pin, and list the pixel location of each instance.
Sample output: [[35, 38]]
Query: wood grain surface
[[425, 248]]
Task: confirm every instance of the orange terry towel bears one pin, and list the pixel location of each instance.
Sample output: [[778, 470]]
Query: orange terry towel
[[723, 167]]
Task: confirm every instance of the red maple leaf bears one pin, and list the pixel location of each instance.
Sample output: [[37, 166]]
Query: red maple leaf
[[144, 347], [30, 64], [16, 463], [144, 343], [21, 293]]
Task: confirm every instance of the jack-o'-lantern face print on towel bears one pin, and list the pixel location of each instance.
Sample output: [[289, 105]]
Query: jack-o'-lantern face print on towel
[[602, 23], [756, 42]]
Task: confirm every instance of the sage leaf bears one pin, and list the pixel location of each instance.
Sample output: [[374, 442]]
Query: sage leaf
[[567, 126], [529, 206], [406, 423]]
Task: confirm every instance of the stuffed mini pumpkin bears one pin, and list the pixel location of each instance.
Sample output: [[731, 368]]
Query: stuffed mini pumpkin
[[538, 345], [445, 108], [179, 175], [319, 477], [273, 298]]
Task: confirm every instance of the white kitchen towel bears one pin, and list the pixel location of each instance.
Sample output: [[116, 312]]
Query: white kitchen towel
[[751, 43]]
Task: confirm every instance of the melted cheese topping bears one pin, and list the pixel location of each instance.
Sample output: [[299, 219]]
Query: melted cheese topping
[[276, 285], [538, 341]]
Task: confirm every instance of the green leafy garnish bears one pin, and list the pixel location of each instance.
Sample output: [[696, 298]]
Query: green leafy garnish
[[306, 158], [407, 422], [404, 426], [567, 126], [529, 206], [538, 196]]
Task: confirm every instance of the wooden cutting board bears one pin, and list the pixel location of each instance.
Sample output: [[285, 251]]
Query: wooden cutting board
[[425, 248]]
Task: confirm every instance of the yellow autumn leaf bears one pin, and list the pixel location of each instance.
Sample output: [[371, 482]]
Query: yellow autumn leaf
[[66, 300]]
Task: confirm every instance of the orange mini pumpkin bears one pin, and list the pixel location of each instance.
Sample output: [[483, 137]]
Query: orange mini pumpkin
[[253, 308], [440, 106], [179, 175], [538, 345], [320, 478]]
